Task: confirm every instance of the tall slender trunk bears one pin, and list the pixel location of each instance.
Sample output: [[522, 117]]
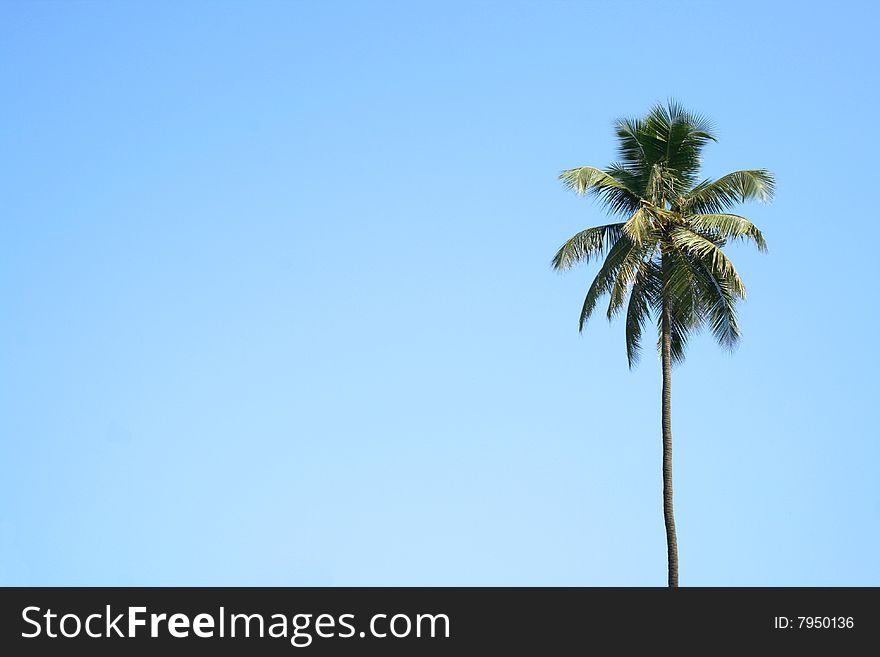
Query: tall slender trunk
[[668, 516]]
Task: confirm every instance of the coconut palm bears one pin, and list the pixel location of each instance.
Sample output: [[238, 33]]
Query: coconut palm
[[663, 259]]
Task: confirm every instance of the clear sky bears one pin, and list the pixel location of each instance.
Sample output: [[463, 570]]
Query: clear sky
[[277, 306]]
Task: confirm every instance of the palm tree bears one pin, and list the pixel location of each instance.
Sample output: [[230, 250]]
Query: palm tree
[[663, 260]]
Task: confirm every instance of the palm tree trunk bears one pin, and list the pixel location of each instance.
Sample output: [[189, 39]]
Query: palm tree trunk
[[668, 516]]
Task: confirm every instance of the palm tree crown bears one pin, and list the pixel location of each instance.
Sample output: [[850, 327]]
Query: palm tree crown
[[665, 254]]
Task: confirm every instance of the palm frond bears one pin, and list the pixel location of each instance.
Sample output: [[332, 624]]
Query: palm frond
[[679, 332], [626, 274], [617, 257], [614, 193], [635, 148], [717, 196], [585, 245], [679, 291], [639, 226], [719, 304], [684, 135], [641, 299], [634, 179], [726, 226], [716, 260]]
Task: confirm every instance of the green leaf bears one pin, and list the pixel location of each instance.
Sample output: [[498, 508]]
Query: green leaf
[[614, 193], [585, 245], [626, 274], [717, 196], [602, 284], [716, 260], [643, 296], [727, 226], [639, 227]]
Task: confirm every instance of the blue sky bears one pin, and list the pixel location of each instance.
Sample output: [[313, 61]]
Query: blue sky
[[277, 306]]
